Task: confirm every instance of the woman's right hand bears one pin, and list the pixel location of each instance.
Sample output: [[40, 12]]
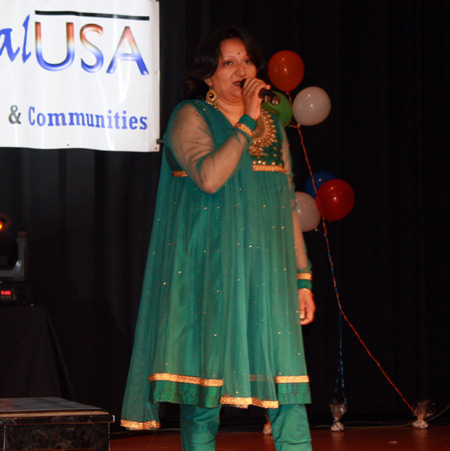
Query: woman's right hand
[[251, 98]]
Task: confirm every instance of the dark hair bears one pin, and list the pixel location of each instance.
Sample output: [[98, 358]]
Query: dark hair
[[206, 59]]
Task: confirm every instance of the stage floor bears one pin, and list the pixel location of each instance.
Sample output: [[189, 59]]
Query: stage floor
[[398, 438]]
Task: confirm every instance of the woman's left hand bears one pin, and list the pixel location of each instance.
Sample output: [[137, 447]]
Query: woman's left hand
[[307, 307]]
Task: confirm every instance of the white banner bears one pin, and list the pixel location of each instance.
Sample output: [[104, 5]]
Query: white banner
[[80, 74]]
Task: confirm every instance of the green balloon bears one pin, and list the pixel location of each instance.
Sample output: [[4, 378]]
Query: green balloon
[[283, 110]]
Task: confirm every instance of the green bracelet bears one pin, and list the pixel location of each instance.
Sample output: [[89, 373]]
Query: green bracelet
[[304, 284]]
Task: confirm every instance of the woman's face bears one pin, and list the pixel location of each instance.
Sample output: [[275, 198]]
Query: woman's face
[[234, 65]]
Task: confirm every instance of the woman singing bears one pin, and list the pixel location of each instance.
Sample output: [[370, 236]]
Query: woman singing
[[227, 285]]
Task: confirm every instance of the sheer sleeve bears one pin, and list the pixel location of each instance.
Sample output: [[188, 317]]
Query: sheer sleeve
[[303, 263], [192, 144]]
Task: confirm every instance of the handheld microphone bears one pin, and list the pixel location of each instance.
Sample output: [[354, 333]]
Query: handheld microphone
[[266, 95]]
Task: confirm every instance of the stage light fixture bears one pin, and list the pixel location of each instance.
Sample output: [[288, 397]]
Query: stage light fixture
[[13, 262], [5, 223]]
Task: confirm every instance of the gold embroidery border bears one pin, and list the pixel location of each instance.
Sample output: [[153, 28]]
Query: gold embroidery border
[[255, 167], [291, 379], [264, 135], [244, 128], [136, 426], [186, 379], [179, 174], [229, 400], [268, 168], [304, 276], [243, 403], [219, 382]]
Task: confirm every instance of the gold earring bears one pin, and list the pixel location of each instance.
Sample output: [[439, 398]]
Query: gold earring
[[211, 98]]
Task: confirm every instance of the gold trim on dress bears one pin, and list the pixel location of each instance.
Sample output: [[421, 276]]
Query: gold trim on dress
[[280, 379], [291, 379], [243, 403], [244, 128], [268, 168], [304, 276], [186, 379], [264, 135], [136, 426], [219, 382], [179, 174], [255, 167]]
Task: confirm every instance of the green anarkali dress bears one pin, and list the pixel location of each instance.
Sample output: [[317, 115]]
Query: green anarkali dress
[[219, 321]]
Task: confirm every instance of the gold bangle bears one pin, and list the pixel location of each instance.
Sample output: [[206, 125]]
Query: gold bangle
[[244, 128], [304, 276], [308, 290]]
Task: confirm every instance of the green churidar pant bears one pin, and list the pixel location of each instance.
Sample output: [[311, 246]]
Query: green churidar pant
[[290, 428]]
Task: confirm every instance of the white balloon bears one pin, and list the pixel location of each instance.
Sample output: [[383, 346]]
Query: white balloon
[[311, 106], [307, 212]]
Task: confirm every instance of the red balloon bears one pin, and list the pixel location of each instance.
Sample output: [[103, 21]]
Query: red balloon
[[286, 70], [335, 199]]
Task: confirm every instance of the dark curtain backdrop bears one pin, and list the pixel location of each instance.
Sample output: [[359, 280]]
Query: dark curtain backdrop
[[385, 66]]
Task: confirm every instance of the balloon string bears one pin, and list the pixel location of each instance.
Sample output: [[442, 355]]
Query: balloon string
[[340, 375], [358, 336]]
